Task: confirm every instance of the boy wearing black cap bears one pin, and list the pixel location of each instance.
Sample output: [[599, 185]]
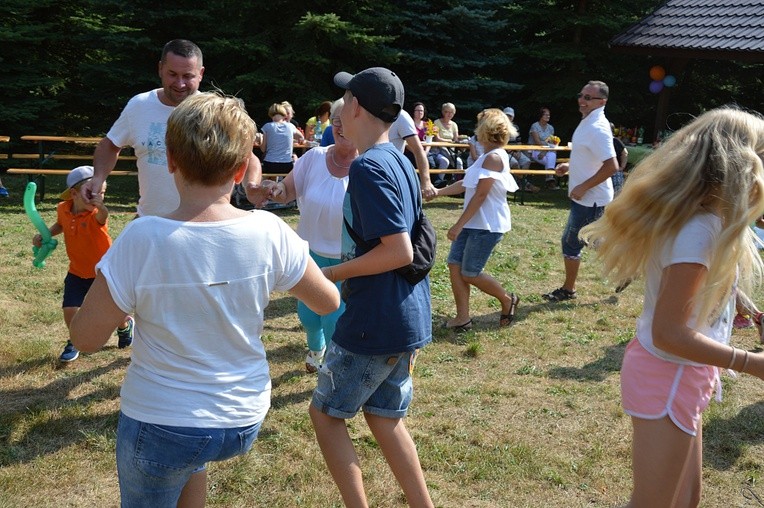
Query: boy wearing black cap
[[386, 319], [86, 235]]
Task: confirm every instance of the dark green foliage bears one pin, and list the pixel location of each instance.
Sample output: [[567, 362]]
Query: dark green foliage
[[69, 66]]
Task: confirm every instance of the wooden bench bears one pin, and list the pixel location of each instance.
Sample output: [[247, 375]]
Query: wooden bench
[[69, 151]]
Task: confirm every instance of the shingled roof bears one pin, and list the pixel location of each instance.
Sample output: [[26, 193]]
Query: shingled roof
[[714, 29]]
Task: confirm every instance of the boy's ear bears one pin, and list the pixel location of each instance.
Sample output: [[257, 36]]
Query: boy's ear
[[239, 175]]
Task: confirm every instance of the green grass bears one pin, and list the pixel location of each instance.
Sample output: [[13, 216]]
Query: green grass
[[523, 416]]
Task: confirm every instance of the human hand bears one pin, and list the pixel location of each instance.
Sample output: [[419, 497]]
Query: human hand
[[562, 169], [258, 195], [454, 232], [92, 187], [327, 271], [429, 192], [37, 240], [578, 192]]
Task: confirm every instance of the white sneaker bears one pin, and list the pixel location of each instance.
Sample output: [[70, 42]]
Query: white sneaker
[[314, 360]]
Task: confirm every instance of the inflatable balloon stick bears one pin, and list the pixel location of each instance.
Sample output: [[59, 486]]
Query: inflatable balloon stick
[[48, 242]]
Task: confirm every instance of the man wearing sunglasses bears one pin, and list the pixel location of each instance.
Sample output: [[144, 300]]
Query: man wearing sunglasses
[[592, 163]]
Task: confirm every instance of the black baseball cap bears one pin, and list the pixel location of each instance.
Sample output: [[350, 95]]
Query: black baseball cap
[[378, 90]]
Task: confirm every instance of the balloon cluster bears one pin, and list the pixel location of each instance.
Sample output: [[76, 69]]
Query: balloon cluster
[[48, 242], [660, 79]]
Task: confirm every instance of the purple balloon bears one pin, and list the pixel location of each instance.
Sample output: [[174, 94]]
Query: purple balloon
[[656, 86], [669, 81]]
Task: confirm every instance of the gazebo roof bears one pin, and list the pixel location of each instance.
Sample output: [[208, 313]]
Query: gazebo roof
[[710, 29]]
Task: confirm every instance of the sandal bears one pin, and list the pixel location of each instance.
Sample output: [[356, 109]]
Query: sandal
[[462, 328], [559, 295], [506, 319]]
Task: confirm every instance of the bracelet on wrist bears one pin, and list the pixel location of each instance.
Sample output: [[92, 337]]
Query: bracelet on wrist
[[732, 360]]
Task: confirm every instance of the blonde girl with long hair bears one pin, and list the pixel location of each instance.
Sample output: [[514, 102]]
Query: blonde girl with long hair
[[682, 223]]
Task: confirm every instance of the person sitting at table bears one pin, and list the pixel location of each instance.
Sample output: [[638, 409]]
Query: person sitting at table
[[539, 133], [517, 158], [447, 132], [277, 143], [321, 116]]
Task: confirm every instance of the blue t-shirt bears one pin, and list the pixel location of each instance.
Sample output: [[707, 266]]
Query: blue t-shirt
[[384, 314]]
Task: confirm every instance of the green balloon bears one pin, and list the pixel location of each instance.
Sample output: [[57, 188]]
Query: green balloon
[[49, 243]]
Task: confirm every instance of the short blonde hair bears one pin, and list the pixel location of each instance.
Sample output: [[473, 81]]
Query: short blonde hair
[[277, 109], [448, 106], [494, 127], [209, 136]]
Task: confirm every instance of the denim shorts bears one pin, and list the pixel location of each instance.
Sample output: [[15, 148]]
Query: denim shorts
[[380, 384], [154, 462], [471, 250], [578, 217], [75, 289]]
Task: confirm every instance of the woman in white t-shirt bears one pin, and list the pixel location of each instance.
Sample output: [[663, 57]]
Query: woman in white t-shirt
[[318, 182], [681, 222], [197, 281], [483, 222]]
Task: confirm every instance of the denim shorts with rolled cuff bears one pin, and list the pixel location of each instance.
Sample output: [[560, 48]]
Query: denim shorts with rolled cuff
[[75, 289], [471, 250], [379, 384], [578, 217], [154, 462]]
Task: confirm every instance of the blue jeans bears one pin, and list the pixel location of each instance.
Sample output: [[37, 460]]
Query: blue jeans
[[578, 217], [154, 462], [320, 328], [381, 384], [471, 250]]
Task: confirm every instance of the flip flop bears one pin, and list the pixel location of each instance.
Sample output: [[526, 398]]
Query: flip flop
[[464, 327], [506, 319]]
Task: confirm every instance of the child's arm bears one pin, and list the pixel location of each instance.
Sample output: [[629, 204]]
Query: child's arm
[[394, 251], [680, 283], [55, 229], [103, 213]]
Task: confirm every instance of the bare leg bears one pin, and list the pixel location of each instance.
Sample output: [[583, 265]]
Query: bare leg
[[401, 455], [689, 493], [461, 291], [194, 493], [491, 286], [69, 313], [662, 459], [340, 456], [571, 273]]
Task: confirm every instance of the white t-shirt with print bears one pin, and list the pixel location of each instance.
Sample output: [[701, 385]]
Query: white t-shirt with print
[[142, 125]]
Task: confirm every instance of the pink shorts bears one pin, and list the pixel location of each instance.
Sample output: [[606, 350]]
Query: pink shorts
[[652, 388]]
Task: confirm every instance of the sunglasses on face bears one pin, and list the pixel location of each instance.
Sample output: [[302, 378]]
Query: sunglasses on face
[[588, 97]]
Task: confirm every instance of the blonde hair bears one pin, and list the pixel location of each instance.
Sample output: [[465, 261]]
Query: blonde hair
[[715, 161], [448, 106], [494, 127], [277, 108], [209, 136]]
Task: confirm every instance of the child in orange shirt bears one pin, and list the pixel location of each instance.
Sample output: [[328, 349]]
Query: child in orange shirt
[[87, 239]]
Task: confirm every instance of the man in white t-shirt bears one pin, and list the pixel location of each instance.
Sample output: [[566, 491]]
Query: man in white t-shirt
[[403, 134], [142, 126], [592, 163]]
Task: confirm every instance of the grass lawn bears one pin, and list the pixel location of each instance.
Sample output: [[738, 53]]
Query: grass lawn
[[525, 416]]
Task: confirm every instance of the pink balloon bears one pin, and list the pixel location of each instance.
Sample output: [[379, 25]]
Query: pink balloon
[[656, 86]]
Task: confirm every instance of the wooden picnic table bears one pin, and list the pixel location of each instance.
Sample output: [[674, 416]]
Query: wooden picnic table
[[461, 146]]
